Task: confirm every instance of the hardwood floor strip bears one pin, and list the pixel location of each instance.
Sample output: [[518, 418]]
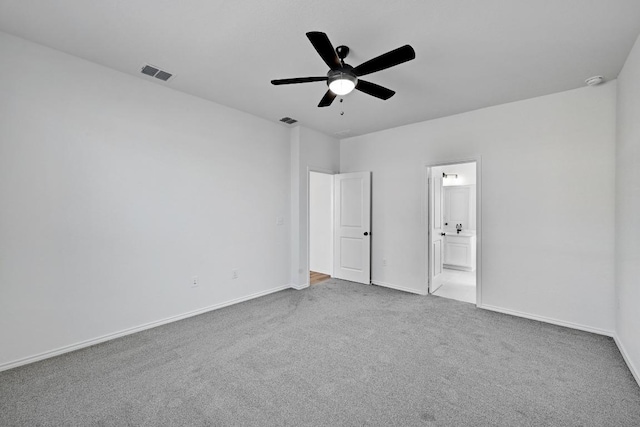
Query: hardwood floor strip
[[318, 277]]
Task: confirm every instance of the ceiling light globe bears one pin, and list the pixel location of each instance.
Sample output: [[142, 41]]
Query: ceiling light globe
[[342, 83]]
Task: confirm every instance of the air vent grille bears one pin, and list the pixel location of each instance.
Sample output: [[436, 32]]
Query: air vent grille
[[288, 120], [163, 75], [149, 70], [156, 72]]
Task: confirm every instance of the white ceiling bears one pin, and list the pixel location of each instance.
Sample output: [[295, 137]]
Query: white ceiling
[[469, 54]]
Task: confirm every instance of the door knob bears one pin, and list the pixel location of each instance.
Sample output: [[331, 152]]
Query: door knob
[[366, 233], [443, 234]]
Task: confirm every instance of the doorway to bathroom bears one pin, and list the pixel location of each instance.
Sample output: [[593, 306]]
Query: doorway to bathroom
[[453, 231]]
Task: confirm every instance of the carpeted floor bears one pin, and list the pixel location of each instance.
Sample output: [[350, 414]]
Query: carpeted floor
[[337, 353]]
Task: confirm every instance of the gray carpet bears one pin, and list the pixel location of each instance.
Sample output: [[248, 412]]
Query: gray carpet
[[335, 354]]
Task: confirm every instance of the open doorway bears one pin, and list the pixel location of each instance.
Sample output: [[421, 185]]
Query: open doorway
[[339, 232], [453, 231], [320, 227]]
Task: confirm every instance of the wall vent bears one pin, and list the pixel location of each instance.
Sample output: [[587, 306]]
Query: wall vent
[[156, 72], [288, 120]]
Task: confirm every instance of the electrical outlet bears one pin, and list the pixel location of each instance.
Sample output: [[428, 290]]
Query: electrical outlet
[[384, 262], [234, 274], [194, 282], [279, 220]]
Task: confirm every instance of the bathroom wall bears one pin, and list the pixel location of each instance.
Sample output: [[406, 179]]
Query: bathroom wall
[[466, 177], [466, 174]]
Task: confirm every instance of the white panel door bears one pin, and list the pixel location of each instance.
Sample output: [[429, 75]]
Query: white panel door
[[352, 244], [436, 234]]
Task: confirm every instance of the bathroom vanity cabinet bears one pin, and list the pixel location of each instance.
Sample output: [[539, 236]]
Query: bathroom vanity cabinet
[[460, 251], [459, 210]]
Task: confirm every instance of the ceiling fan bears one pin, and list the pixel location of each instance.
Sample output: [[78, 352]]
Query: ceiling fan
[[343, 78]]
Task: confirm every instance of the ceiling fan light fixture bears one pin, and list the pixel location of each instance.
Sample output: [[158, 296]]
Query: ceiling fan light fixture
[[343, 78], [342, 83]]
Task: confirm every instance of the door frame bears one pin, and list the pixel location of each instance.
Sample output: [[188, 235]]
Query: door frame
[[326, 172], [425, 215]]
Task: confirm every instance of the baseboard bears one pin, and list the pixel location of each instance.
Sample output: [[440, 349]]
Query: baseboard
[[634, 371], [399, 288], [548, 320], [133, 330], [299, 287]]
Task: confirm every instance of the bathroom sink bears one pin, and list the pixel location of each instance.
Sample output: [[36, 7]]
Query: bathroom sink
[[463, 233]]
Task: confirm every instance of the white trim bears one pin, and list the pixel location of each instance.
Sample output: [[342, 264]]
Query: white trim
[[548, 320], [426, 233], [299, 287], [398, 288], [634, 371], [133, 330], [478, 231]]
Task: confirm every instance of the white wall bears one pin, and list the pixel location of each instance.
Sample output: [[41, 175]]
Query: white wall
[[321, 222], [628, 210], [547, 186], [115, 191], [310, 151]]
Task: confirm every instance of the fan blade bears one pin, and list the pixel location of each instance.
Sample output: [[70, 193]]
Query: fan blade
[[324, 47], [374, 90], [298, 80], [327, 99], [386, 60]]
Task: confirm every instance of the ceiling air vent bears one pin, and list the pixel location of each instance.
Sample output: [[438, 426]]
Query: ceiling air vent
[[163, 75], [288, 120], [152, 71], [149, 70]]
